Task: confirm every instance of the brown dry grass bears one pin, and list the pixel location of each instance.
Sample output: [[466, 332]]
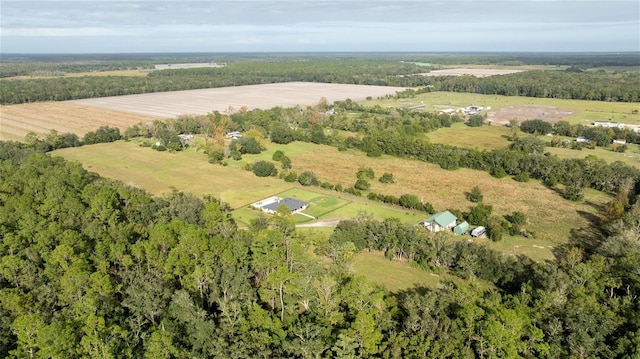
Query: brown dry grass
[[551, 216], [17, 120]]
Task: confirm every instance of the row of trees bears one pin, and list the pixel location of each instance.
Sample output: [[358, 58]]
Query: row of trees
[[93, 268], [601, 86]]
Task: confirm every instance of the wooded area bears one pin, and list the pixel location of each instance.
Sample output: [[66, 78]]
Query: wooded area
[[94, 268], [383, 70]]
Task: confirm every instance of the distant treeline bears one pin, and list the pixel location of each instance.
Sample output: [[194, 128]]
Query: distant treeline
[[574, 83], [569, 84]]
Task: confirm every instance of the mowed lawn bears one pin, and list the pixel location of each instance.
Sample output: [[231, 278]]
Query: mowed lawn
[[585, 111]]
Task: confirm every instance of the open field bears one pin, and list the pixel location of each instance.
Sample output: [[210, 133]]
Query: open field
[[393, 275], [158, 172], [90, 73], [203, 101], [41, 117], [189, 171], [493, 137], [477, 72], [575, 111], [631, 157], [551, 217], [481, 138], [82, 116]]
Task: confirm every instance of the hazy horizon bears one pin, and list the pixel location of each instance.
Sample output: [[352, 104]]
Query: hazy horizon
[[260, 26]]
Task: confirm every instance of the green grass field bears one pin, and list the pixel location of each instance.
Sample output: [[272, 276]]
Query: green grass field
[[480, 138], [189, 171], [585, 111]]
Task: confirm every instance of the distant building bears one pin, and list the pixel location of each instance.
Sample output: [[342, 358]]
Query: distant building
[[582, 139], [439, 221], [272, 204], [234, 135], [608, 124], [620, 141]]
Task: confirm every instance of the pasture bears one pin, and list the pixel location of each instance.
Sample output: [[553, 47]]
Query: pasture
[[41, 117], [189, 171], [524, 108]]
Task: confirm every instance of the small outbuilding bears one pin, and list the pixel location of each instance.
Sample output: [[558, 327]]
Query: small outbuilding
[[439, 221], [461, 228]]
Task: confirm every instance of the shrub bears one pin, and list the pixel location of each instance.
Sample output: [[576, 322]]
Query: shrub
[[362, 185], [264, 169], [475, 195], [326, 185], [291, 177], [286, 163], [308, 178], [536, 126], [365, 172], [499, 172], [522, 177], [475, 121], [387, 178], [278, 155]]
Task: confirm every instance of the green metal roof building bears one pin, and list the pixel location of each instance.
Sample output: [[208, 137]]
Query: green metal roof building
[[439, 221], [461, 228]]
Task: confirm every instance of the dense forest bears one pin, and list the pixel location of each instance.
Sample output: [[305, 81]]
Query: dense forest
[[94, 268], [400, 70]]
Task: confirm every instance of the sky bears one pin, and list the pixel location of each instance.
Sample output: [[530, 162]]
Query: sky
[[114, 26]]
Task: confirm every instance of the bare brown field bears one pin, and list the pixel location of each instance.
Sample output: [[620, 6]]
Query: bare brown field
[[551, 114], [203, 101], [82, 116], [472, 72], [18, 120]]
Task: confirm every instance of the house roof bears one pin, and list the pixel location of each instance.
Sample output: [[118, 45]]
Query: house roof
[[443, 219], [461, 228], [291, 203]]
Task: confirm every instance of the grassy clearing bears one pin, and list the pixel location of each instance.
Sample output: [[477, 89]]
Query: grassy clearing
[[393, 275], [481, 138], [631, 157], [551, 217], [585, 111], [187, 171]]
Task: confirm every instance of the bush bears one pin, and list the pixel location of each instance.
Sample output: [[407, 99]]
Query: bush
[[308, 178], [365, 172], [362, 185], [291, 177], [475, 121], [286, 163], [278, 155], [536, 126], [499, 172], [475, 195], [387, 178], [264, 169], [249, 145], [326, 185], [522, 177]]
